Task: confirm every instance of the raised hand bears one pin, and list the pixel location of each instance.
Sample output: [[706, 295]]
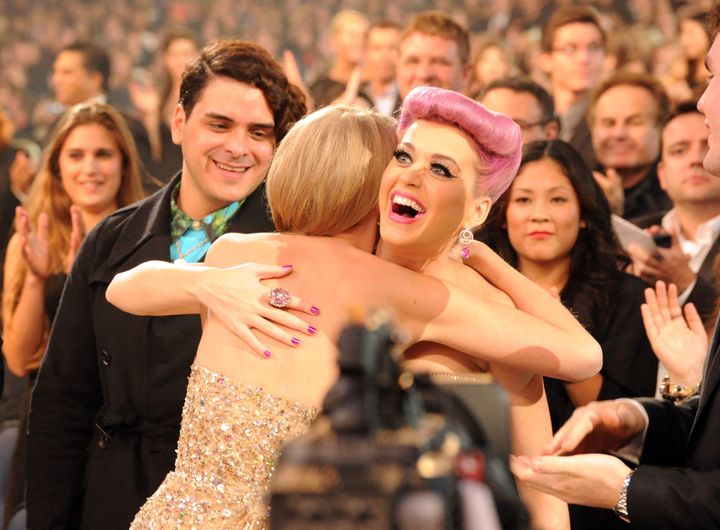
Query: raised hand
[[77, 234], [679, 343], [34, 242], [144, 97], [350, 95], [670, 265], [292, 72], [22, 172], [611, 185]]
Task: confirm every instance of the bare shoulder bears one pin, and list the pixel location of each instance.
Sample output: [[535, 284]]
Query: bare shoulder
[[476, 284], [234, 248]]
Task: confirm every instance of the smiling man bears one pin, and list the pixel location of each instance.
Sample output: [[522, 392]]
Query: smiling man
[[626, 115], [434, 51], [106, 408], [694, 220]]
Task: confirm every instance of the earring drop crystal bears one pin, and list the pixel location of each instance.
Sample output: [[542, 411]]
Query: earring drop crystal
[[465, 238]]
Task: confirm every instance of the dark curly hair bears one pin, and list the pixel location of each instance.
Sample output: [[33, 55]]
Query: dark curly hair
[[596, 259], [248, 63]]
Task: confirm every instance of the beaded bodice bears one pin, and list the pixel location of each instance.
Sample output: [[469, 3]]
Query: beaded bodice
[[230, 438]]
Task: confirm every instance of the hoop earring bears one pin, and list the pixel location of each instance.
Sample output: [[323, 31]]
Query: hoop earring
[[465, 238]]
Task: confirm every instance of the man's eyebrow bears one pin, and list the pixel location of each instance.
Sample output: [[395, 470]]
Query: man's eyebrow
[[268, 126], [218, 116]]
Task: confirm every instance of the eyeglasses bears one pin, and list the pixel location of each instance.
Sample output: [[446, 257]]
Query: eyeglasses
[[572, 48]]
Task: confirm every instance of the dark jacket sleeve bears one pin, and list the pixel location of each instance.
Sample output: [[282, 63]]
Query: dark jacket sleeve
[[629, 364], [663, 492], [65, 401], [677, 498], [704, 297]]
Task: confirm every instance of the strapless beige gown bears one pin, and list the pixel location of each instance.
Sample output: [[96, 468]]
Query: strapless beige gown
[[230, 439]]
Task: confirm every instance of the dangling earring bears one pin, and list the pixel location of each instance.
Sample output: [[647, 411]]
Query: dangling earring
[[465, 238]]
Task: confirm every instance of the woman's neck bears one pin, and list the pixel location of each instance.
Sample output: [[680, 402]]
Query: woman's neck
[[90, 219], [413, 259], [547, 275]]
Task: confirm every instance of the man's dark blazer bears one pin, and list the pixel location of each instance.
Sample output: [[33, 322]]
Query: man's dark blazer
[[677, 484], [107, 404]]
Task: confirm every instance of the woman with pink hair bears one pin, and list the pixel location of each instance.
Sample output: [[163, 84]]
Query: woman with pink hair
[[454, 159]]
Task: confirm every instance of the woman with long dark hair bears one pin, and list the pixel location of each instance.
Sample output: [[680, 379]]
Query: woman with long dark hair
[[553, 225]]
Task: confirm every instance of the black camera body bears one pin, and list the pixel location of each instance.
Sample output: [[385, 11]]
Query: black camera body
[[377, 459]]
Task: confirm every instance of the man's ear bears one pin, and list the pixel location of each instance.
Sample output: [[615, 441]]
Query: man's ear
[[545, 62], [481, 210], [96, 78], [552, 129], [177, 124]]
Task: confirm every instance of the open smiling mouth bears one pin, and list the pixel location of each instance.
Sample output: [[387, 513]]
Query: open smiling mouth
[[234, 169], [406, 207]]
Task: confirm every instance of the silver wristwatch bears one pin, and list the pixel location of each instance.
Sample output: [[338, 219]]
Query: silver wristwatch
[[621, 508]]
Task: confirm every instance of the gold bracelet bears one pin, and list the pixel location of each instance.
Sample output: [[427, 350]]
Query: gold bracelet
[[677, 393]]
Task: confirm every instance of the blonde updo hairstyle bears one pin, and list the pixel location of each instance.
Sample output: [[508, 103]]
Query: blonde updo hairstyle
[[325, 175]]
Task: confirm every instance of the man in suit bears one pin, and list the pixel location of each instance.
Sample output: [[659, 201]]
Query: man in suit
[[694, 220], [381, 54], [106, 410], [81, 73], [527, 103], [677, 484], [573, 51], [626, 114]]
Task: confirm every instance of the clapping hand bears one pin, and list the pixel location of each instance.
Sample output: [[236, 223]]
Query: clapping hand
[[611, 185], [679, 343], [670, 265], [598, 427], [33, 242], [77, 234], [588, 480]]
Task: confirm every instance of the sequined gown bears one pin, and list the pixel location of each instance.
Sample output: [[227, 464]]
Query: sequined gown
[[230, 438]]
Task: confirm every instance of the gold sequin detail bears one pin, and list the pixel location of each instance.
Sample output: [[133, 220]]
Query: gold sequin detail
[[230, 439]]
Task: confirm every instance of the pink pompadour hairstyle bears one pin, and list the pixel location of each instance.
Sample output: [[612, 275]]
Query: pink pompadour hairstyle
[[496, 138]]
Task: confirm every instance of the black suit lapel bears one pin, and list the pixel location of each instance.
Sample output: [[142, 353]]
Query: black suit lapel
[[711, 375], [254, 215], [706, 268]]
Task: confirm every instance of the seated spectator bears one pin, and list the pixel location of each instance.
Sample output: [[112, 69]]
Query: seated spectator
[[626, 115], [489, 63], [693, 223], [347, 41], [89, 170], [381, 55], [434, 51], [573, 45], [527, 103], [553, 224], [156, 104]]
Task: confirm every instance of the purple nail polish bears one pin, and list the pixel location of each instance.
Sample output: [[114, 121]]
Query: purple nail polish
[[312, 330], [295, 341], [267, 354], [287, 267], [314, 310]]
